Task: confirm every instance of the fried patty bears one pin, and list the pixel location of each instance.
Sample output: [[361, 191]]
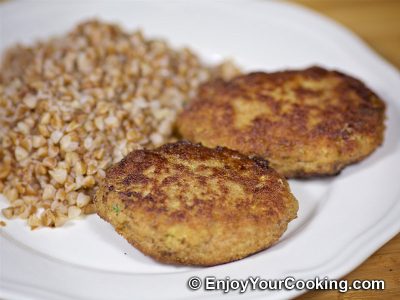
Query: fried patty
[[309, 122], [187, 204]]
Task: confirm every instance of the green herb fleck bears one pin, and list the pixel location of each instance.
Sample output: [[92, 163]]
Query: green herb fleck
[[116, 209]]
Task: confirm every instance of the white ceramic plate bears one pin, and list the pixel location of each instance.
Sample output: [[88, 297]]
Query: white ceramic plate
[[342, 220]]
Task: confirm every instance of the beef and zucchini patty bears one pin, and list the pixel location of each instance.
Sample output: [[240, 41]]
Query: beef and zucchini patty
[[184, 203], [306, 123]]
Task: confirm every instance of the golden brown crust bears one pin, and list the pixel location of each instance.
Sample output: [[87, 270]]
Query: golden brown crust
[[187, 204], [308, 122]]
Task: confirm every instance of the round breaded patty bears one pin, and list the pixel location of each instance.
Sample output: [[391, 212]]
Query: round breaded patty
[[184, 203], [306, 123]]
